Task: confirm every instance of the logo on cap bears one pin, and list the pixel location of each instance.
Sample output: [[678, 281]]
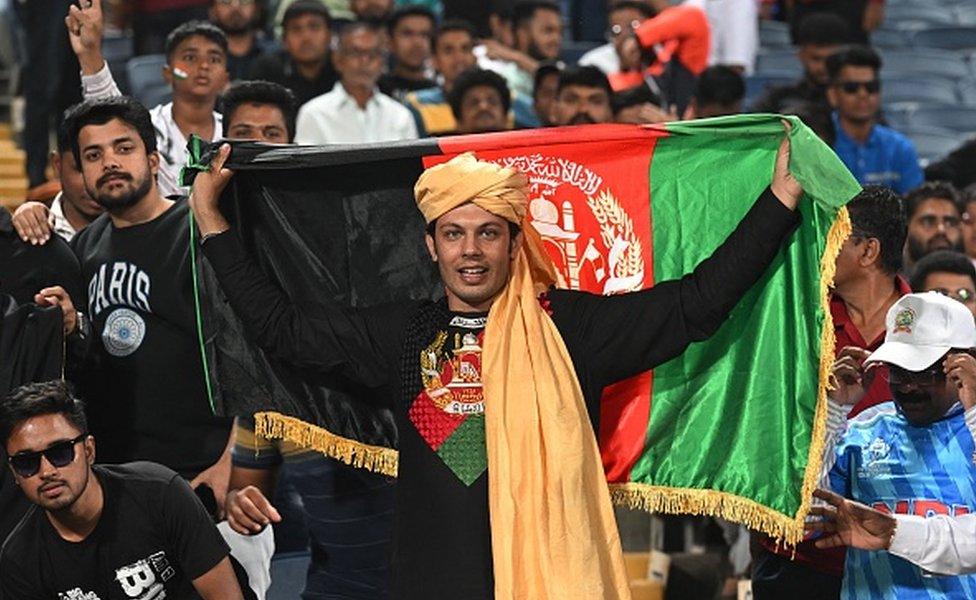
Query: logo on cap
[[904, 321]]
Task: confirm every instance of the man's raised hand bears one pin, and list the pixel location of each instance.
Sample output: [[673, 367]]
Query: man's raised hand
[[85, 24]]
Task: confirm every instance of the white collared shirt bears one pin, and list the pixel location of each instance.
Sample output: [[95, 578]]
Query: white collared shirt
[[336, 118], [62, 226], [170, 141]]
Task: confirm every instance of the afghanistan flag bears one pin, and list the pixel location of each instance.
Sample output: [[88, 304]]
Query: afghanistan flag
[[733, 428]]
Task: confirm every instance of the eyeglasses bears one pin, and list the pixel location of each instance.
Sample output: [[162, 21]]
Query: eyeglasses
[[60, 454], [898, 376], [852, 87], [616, 31], [962, 294], [932, 221]]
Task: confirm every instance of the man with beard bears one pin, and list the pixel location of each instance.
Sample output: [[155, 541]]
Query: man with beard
[[196, 68], [240, 20], [913, 455], [819, 36], [144, 370], [582, 97], [125, 531], [874, 154], [538, 29], [72, 209], [950, 273], [304, 64], [934, 217], [480, 102]]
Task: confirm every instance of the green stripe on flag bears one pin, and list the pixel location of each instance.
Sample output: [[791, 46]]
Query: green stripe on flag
[[733, 418]]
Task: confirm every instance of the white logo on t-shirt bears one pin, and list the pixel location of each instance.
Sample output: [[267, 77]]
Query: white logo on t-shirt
[[143, 580], [77, 594], [123, 333]]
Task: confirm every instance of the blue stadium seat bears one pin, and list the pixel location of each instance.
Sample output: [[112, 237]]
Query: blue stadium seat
[[778, 61], [288, 573], [946, 38], [903, 16], [896, 39], [931, 143], [924, 63], [155, 95], [955, 120], [145, 73], [919, 91], [757, 84], [777, 36], [967, 93], [898, 117], [572, 51], [117, 50]]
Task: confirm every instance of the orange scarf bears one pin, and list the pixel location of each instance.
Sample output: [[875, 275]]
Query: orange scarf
[[553, 531]]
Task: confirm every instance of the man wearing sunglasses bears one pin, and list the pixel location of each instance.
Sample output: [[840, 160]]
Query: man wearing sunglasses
[[875, 154], [914, 455], [125, 531], [950, 273]]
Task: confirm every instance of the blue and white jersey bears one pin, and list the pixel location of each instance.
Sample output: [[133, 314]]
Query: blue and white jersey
[[886, 463]]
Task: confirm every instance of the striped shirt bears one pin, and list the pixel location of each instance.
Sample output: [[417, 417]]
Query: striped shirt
[[885, 462]]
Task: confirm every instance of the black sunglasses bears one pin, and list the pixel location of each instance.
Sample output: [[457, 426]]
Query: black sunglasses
[[898, 376], [60, 454], [851, 87]]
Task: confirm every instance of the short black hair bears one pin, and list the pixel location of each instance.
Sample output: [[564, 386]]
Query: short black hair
[[101, 111], [719, 85], [473, 78], [546, 68], [823, 29], [260, 92], [451, 25], [645, 9], [361, 26], [931, 189], [941, 261], [633, 96], [64, 132], [852, 56], [587, 76], [410, 10], [524, 11], [876, 213], [300, 8], [204, 29], [36, 399]]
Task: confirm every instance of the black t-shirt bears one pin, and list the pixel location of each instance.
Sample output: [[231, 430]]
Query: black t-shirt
[[442, 535], [397, 87], [144, 379], [279, 68], [153, 533]]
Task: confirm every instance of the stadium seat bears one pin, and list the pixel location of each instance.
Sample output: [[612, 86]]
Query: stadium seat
[[902, 16], [946, 38], [896, 39], [155, 95], [967, 93], [757, 84], [918, 91], [778, 61], [145, 73], [288, 572], [117, 50], [956, 120], [572, 51], [932, 144], [898, 117], [924, 63], [777, 36]]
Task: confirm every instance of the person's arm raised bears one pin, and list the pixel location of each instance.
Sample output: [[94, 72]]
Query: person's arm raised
[[85, 27]]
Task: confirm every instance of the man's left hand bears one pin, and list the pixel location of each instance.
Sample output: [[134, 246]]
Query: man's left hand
[[960, 369], [217, 477], [849, 523]]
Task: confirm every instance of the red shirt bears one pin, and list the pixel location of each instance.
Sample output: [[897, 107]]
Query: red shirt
[[832, 560]]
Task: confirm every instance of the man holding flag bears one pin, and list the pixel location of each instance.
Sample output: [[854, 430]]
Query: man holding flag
[[501, 492]]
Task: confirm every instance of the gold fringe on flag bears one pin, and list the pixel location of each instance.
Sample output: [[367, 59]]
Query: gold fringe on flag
[[781, 527], [276, 426]]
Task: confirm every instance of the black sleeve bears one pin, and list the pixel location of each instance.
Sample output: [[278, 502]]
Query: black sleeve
[[620, 336], [360, 344], [13, 583], [190, 531]]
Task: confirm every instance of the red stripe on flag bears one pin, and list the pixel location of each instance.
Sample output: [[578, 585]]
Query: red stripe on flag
[[589, 198]]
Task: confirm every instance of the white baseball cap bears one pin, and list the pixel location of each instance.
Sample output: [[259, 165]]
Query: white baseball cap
[[921, 328]]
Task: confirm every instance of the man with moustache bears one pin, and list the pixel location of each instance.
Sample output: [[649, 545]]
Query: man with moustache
[[125, 531], [934, 221], [480, 102], [914, 454], [240, 20], [144, 372], [582, 97]]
